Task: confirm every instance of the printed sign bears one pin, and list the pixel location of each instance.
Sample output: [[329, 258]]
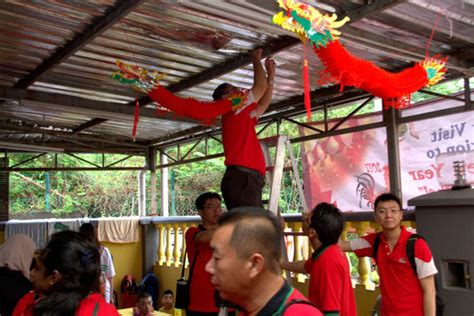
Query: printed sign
[[351, 170]]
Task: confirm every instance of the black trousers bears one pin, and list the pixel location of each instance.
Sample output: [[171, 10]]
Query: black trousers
[[241, 186]]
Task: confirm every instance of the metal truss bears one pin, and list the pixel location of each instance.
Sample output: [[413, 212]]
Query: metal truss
[[103, 166]]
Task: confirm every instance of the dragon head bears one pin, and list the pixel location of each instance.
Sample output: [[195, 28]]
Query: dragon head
[[435, 69], [308, 23], [140, 79]]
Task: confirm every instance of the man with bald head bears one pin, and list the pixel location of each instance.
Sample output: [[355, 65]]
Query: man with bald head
[[244, 268]]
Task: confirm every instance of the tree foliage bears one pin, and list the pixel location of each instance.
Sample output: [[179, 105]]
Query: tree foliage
[[71, 193]]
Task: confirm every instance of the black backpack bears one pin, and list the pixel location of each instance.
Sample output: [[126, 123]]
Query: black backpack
[[410, 249]]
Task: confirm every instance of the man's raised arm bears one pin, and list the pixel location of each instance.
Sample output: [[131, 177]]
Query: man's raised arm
[[259, 78]]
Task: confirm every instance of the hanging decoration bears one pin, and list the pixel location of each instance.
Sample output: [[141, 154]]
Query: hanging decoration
[[135, 119], [140, 79], [348, 70], [306, 84], [146, 81]]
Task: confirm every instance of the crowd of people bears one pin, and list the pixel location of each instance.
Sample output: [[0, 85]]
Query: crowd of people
[[235, 265], [240, 256]]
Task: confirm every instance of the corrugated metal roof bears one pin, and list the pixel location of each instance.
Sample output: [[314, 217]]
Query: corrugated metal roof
[[63, 54]]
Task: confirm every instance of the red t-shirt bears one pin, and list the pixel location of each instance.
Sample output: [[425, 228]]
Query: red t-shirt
[[280, 301], [400, 287], [86, 308], [241, 145], [201, 290], [330, 286]]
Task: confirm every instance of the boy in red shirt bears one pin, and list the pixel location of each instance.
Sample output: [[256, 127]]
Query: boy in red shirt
[[330, 286], [403, 292], [201, 290]]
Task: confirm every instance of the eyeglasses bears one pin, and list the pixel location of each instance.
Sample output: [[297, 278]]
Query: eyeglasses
[[213, 207]]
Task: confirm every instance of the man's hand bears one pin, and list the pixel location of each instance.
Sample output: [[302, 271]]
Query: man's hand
[[270, 67], [256, 55], [264, 102]]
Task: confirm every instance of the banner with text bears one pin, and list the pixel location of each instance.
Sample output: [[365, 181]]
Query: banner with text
[[352, 169]]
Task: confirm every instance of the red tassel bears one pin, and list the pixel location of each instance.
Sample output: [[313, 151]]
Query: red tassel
[[135, 120], [307, 97]]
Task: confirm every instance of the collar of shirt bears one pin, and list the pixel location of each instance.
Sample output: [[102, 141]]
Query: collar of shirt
[[277, 302], [319, 251], [404, 235]]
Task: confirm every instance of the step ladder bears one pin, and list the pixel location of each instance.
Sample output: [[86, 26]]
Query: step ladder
[[275, 170]]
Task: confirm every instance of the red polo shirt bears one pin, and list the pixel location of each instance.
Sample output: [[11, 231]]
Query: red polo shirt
[[400, 287], [330, 286], [281, 299], [201, 290], [241, 145]]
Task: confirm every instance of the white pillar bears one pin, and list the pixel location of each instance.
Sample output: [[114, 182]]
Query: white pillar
[[153, 205], [141, 193], [164, 186]]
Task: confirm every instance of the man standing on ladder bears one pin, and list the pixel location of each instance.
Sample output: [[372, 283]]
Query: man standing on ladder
[[244, 177]]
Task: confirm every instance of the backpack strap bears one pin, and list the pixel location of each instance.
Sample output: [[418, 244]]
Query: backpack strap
[[375, 248], [293, 302], [96, 309], [410, 249]]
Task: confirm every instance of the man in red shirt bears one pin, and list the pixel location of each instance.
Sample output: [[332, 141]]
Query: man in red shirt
[[246, 249], [403, 292], [244, 177], [330, 286], [201, 290], [245, 174]]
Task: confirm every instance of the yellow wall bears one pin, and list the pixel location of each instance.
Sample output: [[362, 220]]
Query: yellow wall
[[167, 277], [365, 300], [127, 260]]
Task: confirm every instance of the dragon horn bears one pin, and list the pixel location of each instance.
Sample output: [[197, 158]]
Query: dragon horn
[[338, 24]]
